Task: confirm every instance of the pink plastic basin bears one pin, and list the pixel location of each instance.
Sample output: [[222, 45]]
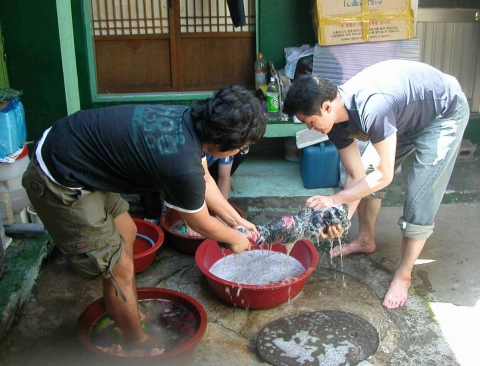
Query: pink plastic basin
[[177, 356], [184, 243], [256, 296], [143, 250]]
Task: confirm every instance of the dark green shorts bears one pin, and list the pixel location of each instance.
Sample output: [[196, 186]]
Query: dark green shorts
[[80, 222]]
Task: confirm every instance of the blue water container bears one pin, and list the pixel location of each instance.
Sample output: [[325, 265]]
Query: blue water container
[[319, 165], [13, 131]]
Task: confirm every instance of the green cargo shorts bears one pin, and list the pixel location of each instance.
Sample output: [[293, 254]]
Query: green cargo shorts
[[80, 222]]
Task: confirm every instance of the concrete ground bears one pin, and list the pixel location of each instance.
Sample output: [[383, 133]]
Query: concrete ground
[[438, 326]]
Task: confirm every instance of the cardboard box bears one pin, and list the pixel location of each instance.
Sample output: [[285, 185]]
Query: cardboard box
[[349, 7], [352, 21]]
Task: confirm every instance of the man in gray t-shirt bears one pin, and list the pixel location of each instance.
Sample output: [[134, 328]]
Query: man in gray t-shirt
[[400, 107]]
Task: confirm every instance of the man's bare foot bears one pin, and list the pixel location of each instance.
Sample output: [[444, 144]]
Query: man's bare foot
[[398, 292], [144, 318], [146, 347], [356, 246]]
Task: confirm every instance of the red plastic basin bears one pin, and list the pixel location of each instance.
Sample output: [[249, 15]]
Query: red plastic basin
[[143, 251], [256, 296], [184, 243], [177, 356]]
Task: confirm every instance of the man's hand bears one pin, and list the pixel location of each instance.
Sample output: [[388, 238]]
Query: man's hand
[[319, 202], [333, 231], [241, 244], [248, 225]]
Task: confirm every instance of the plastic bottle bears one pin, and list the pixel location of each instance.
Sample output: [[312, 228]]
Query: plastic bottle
[[273, 100], [260, 67]]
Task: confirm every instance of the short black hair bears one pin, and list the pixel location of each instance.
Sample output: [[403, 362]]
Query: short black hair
[[307, 94], [232, 118]]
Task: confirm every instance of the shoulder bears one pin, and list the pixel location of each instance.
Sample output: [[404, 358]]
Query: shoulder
[[379, 104]]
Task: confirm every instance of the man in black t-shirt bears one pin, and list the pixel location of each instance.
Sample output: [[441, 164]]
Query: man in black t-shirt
[[85, 161], [401, 107]]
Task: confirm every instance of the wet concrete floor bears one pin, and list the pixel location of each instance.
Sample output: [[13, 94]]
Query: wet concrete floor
[[436, 327]]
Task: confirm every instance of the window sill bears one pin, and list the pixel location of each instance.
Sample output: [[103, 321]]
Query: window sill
[[283, 128], [151, 97], [274, 128]]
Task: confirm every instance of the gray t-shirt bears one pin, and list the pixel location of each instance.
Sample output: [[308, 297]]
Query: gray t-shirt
[[394, 96]]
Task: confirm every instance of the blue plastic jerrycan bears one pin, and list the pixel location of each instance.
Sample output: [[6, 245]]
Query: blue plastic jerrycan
[[320, 165], [13, 130]]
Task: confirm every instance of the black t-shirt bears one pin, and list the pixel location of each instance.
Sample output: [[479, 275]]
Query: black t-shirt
[[129, 149], [395, 96]]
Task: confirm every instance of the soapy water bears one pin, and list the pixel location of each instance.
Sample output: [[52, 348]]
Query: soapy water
[[257, 267], [167, 324]]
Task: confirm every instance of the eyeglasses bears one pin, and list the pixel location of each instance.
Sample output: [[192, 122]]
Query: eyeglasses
[[244, 150]]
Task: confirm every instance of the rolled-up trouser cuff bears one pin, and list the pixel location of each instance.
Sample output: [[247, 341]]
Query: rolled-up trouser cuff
[[415, 232]]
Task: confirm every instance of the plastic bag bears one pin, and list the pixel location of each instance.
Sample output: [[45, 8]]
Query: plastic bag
[[13, 131], [304, 66], [293, 56], [7, 94]]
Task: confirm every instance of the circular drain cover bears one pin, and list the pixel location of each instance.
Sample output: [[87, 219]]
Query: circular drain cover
[[318, 338]]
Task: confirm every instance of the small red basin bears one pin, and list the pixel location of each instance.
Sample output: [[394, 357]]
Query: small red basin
[[148, 241], [184, 243]]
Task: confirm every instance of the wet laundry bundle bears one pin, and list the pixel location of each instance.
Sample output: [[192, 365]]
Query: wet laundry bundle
[[307, 224]]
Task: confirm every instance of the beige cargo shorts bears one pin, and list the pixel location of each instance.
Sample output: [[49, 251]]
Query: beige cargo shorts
[[80, 222]]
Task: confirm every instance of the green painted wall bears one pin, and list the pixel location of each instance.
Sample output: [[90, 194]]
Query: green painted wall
[[4, 83], [81, 54], [30, 30], [283, 23]]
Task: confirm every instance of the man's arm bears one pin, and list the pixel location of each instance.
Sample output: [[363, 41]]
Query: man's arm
[[218, 205], [355, 188], [224, 179], [355, 171], [209, 227]]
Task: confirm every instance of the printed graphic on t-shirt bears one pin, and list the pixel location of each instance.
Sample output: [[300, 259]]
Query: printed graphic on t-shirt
[[360, 136], [161, 127]]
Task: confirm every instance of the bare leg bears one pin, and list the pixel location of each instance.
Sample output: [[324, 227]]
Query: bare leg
[[368, 210], [127, 229], [398, 292], [125, 314]]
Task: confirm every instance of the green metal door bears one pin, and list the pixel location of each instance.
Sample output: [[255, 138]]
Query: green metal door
[[3, 66]]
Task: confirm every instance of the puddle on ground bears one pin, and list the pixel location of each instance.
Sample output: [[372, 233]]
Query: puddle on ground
[[318, 338]]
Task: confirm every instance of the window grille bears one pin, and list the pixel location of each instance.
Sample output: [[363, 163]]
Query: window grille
[[137, 17]]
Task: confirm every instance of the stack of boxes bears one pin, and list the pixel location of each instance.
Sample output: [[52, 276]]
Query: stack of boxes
[[354, 21]]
